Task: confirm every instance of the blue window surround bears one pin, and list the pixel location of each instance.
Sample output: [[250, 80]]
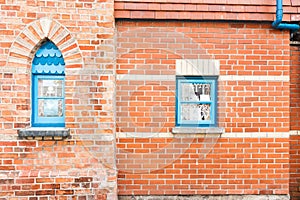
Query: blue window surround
[[48, 64], [212, 80]]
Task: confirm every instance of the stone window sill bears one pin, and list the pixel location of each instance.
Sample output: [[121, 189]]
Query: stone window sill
[[197, 130], [44, 133]]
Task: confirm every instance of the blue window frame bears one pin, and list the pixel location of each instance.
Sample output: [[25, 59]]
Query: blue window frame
[[48, 87], [196, 102]]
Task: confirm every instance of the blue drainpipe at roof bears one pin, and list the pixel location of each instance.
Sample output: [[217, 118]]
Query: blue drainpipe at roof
[[279, 14]]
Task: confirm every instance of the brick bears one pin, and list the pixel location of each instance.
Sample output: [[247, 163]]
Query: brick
[[24, 193], [65, 192], [145, 47], [50, 186], [84, 179], [22, 181], [6, 181], [45, 192], [209, 174], [63, 180]]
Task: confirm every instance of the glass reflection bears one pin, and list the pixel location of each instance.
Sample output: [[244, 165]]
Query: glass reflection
[[50, 108], [195, 92], [50, 88], [195, 112]]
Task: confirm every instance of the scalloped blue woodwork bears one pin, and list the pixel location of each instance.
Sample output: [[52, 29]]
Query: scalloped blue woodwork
[[48, 60]]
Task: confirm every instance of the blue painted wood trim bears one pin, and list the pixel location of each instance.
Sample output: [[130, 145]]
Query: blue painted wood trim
[[46, 121], [213, 103]]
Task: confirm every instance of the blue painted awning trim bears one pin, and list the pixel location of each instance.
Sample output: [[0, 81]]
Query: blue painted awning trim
[[48, 69], [46, 53], [48, 60]]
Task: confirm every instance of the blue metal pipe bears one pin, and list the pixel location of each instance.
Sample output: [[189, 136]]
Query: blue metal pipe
[[279, 15]]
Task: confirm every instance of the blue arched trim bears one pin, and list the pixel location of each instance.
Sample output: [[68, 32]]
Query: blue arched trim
[[48, 60], [48, 69]]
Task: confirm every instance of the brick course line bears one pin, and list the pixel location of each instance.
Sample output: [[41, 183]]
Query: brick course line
[[224, 135], [221, 78], [254, 78]]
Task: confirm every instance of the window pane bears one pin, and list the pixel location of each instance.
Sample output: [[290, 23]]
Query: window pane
[[50, 88], [195, 112], [50, 108], [195, 92]]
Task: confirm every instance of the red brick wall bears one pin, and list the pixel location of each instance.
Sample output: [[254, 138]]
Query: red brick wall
[[80, 166], [205, 10], [253, 105], [51, 168], [188, 166], [295, 88], [294, 184], [244, 50], [295, 123]]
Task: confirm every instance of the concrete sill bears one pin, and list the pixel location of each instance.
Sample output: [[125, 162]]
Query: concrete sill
[[44, 133], [197, 130]]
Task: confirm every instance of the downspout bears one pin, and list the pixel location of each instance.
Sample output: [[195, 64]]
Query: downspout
[[279, 15]]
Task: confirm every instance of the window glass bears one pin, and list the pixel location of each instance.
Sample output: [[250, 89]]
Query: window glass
[[50, 88], [196, 101]]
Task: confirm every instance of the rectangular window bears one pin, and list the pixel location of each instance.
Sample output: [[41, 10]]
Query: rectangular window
[[196, 101], [48, 100]]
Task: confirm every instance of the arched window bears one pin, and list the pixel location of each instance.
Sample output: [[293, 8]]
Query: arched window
[[48, 82]]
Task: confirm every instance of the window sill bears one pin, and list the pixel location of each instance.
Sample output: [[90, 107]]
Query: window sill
[[197, 130], [44, 133]]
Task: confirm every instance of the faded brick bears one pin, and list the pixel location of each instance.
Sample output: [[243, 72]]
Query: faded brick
[[84, 179]]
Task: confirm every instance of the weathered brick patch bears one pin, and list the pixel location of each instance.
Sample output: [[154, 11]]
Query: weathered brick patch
[[75, 168], [60, 169]]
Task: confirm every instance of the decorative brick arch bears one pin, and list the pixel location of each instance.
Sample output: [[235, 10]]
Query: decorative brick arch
[[29, 40], [21, 55]]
